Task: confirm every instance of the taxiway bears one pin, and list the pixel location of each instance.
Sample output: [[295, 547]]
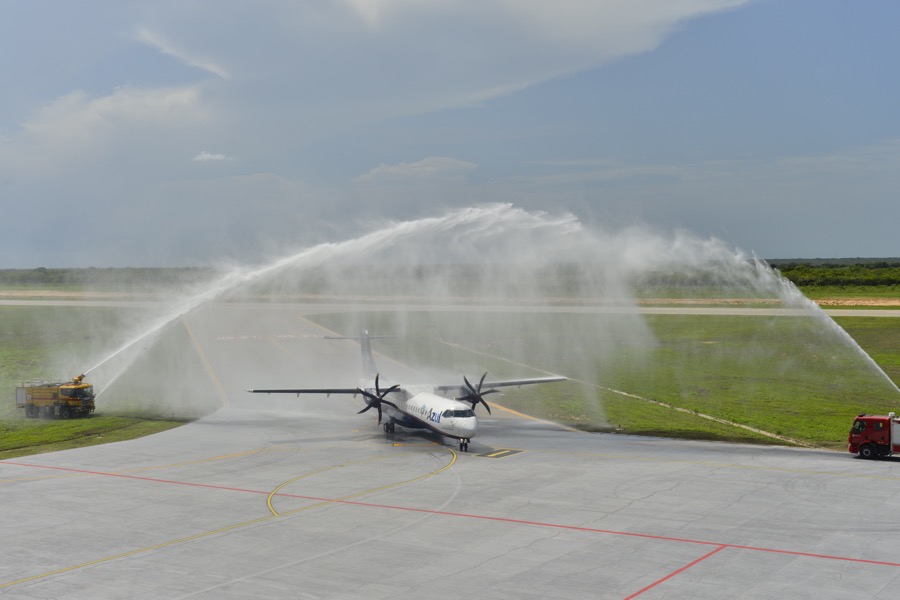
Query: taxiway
[[280, 497]]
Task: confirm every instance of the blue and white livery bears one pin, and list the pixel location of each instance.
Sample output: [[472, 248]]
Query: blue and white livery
[[418, 406]]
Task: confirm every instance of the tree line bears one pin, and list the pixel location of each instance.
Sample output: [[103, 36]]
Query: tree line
[[97, 277], [881, 273], [802, 273]]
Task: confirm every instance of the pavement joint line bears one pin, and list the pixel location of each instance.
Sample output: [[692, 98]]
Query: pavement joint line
[[322, 502], [349, 502], [142, 469], [186, 463], [276, 491], [346, 499], [135, 552], [716, 465], [124, 474], [612, 532]]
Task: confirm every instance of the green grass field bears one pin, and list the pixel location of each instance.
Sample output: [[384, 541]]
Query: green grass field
[[695, 377], [31, 338], [786, 376]]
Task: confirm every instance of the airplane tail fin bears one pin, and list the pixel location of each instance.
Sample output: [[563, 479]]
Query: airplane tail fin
[[368, 359], [370, 369]]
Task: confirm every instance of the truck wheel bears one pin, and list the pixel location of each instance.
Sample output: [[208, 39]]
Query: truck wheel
[[867, 451], [65, 413], [30, 412]]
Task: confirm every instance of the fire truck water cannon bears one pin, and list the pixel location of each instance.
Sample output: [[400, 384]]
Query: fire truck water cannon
[[63, 399]]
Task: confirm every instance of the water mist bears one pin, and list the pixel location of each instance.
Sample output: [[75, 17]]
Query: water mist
[[517, 262]]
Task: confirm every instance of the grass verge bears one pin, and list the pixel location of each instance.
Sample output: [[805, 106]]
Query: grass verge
[[33, 337], [22, 437], [693, 377]]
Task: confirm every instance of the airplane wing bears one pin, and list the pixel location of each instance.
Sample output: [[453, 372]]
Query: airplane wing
[[298, 391], [504, 383], [437, 388]]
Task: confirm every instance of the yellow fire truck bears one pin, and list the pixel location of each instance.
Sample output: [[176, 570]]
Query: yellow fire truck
[[65, 399]]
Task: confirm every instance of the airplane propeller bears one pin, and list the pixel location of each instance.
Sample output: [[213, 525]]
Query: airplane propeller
[[377, 399], [475, 395]]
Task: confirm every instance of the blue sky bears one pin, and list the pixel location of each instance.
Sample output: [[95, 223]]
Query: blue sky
[[183, 133]]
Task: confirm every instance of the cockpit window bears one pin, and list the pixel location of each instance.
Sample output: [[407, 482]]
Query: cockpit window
[[447, 413], [468, 412]]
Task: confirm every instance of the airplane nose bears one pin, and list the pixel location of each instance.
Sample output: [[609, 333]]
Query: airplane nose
[[468, 427]]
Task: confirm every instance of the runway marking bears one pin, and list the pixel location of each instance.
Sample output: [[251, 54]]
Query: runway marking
[[660, 459], [500, 453], [321, 502], [200, 461], [674, 573], [140, 469], [134, 552], [257, 338], [356, 495], [290, 481], [135, 477], [347, 501], [210, 371]]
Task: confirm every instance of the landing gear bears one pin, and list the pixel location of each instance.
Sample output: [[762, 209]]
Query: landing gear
[[463, 445], [389, 427]]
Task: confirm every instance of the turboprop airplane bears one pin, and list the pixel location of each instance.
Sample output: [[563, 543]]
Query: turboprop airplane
[[418, 406]]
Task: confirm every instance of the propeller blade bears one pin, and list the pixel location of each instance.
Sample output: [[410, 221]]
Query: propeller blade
[[377, 399], [475, 395]]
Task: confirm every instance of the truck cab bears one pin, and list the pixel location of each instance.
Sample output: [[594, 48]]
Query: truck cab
[[874, 435]]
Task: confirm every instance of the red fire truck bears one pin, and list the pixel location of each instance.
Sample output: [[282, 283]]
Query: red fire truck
[[874, 435]]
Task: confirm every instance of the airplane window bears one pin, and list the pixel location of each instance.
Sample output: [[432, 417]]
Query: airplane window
[[448, 413]]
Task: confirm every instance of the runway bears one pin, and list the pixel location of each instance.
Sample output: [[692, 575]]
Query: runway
[[280, 497]]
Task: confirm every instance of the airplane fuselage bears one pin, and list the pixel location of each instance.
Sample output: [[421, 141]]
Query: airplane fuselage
[[418, 407]]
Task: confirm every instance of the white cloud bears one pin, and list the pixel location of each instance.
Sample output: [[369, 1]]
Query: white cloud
[[74, 128], [467, 52], [330, 63], [167, 47], [284, 80], [209, 157], [432, 167]]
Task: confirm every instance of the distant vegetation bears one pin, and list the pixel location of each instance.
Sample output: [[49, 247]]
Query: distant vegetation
[[841, 274], [804, 273], [103, 278]]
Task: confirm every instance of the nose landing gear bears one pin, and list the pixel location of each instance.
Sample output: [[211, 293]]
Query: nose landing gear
[[463, 445]]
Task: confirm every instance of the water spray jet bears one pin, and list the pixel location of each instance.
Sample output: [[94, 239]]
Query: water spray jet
[[515, 253], [467, 226]]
